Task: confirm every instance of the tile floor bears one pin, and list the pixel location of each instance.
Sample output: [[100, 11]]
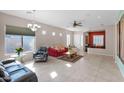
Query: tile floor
[[90, 68]]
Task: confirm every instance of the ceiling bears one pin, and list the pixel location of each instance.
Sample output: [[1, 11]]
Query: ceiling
[[64, 18]]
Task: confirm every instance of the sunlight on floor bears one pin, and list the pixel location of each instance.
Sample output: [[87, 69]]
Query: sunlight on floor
[[53, 74], [30, 66], [68, 65]]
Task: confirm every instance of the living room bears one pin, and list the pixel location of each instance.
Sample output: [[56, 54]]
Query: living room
[[70, 38]]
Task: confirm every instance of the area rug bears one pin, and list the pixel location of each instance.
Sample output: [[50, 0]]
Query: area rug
[[74, 59]]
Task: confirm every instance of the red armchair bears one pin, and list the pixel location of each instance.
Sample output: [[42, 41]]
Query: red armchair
[[57, 52]]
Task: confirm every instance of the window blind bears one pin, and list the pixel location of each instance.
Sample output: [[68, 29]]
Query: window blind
[[14, 30]]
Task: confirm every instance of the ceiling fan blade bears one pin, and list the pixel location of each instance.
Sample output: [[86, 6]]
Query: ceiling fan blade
[[79, 23], [75, 23]]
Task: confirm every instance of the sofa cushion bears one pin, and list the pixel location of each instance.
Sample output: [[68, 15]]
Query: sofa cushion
[[12, 68], [39, 56], [21, 74], [8, 61]]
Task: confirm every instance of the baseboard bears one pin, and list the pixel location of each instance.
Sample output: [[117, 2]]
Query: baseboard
[[102, 54]]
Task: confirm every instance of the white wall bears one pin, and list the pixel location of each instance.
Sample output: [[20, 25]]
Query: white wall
[[48, 39], [110, 42], [41, 40]]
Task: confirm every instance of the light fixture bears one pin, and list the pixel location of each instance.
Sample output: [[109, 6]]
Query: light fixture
[[33, 26]]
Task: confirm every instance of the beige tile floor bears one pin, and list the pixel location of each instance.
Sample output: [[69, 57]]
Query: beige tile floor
[[90, 68]]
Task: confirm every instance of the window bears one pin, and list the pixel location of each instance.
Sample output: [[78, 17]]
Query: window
[[28, 43], [98, 40], [81, 40], [12, 42], [15, 41], [68, 39]]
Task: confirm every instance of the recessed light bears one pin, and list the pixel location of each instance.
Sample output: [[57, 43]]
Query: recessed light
[[53, 33]]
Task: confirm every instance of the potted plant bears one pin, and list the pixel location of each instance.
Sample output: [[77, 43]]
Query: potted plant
[[18, 51]]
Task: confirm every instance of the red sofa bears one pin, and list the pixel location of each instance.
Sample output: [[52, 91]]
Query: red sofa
[[56, 52]]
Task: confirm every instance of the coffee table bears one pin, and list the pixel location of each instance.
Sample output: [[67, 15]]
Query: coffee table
[[71, 54]]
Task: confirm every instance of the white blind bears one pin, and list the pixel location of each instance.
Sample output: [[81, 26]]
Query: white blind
[[98, 40]]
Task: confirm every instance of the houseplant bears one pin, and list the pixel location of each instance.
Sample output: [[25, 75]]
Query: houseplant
[[19, 50]]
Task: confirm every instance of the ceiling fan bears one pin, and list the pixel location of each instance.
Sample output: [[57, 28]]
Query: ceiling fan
[[76, 23], [77, 26]]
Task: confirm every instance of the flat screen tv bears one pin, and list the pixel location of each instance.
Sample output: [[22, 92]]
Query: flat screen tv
[[120, 39]]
